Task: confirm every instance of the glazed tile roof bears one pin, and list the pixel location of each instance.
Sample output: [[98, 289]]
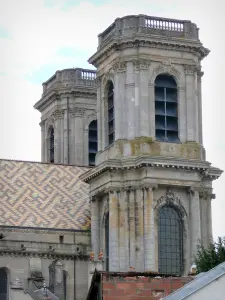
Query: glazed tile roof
[[43, 195]]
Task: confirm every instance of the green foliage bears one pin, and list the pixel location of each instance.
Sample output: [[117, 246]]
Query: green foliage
[[208, 258]]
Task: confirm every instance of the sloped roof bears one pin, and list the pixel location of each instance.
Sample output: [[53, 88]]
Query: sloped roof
[[200, 282], [43, 195]]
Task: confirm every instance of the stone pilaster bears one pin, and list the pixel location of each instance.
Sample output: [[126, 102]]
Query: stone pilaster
[[149, 230], [182, 109], [141, 98], [58, 116], [199, 89], [113, 232], [190, 102], [42, 125], [132, 249], [72, 114], [130, 101], [195, 221], [66, 137], [95, 227], [79, 131], [139, 216], [151, 109], [123, 231]]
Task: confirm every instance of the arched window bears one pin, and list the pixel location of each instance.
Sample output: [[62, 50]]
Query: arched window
[[3, 284], [170, 241], [93, 142], [166, 109], [111, 119], [51, 145], [107, 242]]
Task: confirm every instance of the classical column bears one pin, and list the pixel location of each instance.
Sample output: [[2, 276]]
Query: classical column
[[139, 230], [149, 230], [132, 250], [42, 125], [113, 231], [190, 102], [79, 140], [195, 221], [123, 232], [86, 148], [66, 149], [95, 227]]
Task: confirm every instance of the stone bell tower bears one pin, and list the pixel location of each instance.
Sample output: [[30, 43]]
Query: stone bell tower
[[151, 189]]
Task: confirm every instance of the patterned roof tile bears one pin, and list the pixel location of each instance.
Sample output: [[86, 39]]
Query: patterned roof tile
[[43, 195]]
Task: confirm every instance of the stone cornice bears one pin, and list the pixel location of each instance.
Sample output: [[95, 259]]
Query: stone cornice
[[44, 255], [44, 231], [176, 45], [155, 162]]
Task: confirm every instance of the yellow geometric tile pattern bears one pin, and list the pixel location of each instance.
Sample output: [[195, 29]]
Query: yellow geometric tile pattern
[[43, 195]]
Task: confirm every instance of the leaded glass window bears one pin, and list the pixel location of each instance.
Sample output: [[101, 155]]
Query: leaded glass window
[[170, 241], [166, 109], [3, 284], [93, 142]]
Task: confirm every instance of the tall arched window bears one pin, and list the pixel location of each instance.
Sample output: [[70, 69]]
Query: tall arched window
[[166, 109], [51, 145], [93, 142], [107, 242], [170, 241], [111, 119], [3, 284]]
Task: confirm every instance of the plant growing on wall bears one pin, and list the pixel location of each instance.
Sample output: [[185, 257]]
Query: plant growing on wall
[[208, 258]]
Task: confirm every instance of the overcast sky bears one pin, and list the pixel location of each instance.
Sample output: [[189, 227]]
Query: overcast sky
[[38, 37]]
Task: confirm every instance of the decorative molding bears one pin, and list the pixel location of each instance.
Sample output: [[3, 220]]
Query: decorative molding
[[107, 77], [190, 69], [141, 64], [165, 68], [44, 255], [45, 231], [42, 125], [76, 112], [58, 114], [119, 67], [170, 199], [198, 50]]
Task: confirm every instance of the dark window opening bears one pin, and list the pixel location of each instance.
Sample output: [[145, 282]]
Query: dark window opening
[[170, 241], [166, 109], [107, 242], [3, 284], [92, 142], [52, 146], [111, 117], [61, 239]]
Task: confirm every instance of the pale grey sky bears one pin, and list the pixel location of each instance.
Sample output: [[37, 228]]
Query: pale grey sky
[[38, 37]]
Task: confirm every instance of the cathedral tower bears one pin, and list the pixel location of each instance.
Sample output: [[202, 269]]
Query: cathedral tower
[[151, 189], [68, 121]]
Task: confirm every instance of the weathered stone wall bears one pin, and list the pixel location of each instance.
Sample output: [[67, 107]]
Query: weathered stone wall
[[28, 253]]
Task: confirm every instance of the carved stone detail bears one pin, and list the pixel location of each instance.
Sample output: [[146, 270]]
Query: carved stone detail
[[119, 67], [190, 69], [42, 125], [76, 112], [165, 68], [170, 199], [141, 64], [58, 114]]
